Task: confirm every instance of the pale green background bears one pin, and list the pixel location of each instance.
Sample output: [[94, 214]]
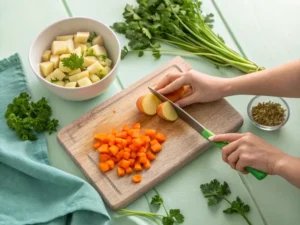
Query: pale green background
[[265, 31]]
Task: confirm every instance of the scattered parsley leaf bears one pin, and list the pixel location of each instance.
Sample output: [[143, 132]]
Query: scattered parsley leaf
[[176, 215], [156, 53], [73, 62], [157, 200], [92, 36], [65, 79], [54, 80]]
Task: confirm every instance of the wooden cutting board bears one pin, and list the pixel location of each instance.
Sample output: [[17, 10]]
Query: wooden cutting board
[[183, 143]]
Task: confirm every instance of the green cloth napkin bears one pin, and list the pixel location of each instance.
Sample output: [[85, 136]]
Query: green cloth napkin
[[31, 191]]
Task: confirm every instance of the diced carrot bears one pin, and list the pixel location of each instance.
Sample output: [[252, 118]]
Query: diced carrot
[[132, 161], [121, 172], [156, 148], [126, 127], [96, 144], [118, 140], [151, 156], [136, 126], [123, 134], [147, 145], [150, 132], [114, 159], [143, 159], [146, 138], [120, 146], [147, 164], [105, 139], [103, 166], [133, 147], [103, 148], [127, 150], [113, 150], [142, 149], [137, 166], [137, 178], [133, 155], [111, 142], [160, 137], [153, 142], [119, 155], [124, 143], [99, 136], [141, 154], [129, 170], [126, 155], [134, 133], [124, 163], [110, 163], [129, 140], [104, 157], [138, 142], [114, 131]]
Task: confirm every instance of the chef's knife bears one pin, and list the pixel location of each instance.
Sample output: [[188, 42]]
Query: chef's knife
[[202, 130]]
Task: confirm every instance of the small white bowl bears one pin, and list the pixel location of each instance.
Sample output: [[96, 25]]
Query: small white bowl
[[72, 26]]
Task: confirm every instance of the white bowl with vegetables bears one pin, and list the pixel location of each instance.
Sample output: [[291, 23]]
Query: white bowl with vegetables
[[76, 58]]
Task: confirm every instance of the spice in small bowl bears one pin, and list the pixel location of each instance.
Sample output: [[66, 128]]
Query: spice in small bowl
[[268, 113]]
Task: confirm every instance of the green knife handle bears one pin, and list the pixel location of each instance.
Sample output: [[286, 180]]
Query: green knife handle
[[256, 173]]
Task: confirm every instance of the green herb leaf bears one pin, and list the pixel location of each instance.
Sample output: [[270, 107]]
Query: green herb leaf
[[146, 32], [176, 215], [157, 200], [65, 79], [237, 206], [167, 221], [141, 53], [73, 62], [92, 36], [156, 53], [54, 80]]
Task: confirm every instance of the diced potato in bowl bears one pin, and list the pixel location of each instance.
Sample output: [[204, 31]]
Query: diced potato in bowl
[[76, 60]]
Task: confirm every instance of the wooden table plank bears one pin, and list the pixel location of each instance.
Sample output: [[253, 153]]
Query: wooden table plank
[[203, 169], [267, 31]]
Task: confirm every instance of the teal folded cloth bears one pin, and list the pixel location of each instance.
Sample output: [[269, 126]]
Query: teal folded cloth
[[32, 191]]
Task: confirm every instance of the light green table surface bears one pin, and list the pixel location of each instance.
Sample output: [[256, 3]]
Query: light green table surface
[[266, 31]]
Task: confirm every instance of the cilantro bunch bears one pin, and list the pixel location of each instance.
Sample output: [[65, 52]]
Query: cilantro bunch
[[173, 216], [27, 118], [215, 192], [180, 23]]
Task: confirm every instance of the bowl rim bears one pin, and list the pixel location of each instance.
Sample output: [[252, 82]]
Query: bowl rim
[[77, 88], [268, 128]]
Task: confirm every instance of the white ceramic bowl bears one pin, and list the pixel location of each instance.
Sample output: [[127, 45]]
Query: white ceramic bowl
[[72, 26]]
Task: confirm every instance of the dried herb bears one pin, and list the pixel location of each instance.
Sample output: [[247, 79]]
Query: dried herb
[[268, 113]]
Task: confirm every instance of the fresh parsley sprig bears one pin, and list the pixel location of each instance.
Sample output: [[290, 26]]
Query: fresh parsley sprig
[[73, 62], [173, 216], [215, 192]]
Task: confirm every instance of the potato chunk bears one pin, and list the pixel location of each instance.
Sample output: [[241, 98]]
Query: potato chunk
[[81, 37], [84, 82], [96, 67], [98, 41], [70, 45], [89, 60], [46, 68], [71, 85], [55, 60], [46, 55], [97, 50], [94, 78], [59, 47], [64, 38], [79, 76]]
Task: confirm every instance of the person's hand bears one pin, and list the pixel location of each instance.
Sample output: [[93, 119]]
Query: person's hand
[[205, 88], [249, 150]]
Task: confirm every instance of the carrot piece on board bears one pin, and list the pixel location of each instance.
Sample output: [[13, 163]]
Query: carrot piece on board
[[103, 166], [114, 159], [153, 142], [111, 142], [150, 133], [119, 155], [126, 155], [143, 159], [137, 166], [156, 148], [123, 134], [138, 142], [96, 144], [127, 150], [99, 136], [146, 138], [114, 150], [136, 126], [124, 143], [147, 164], [151, 156], [120, 146], [133, 147], [110, 163], [141, 154], [104, 157], [124, 163], [147, 145], [133, 155], [142, 149], [118, 140], [160, 137], [129, 140], [137, 178], [132, 161], [134, 133], [126, 127], [129, 170], [103, 148], [121, 172]]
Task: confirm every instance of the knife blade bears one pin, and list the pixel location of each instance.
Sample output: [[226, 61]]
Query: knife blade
[[204, 132]]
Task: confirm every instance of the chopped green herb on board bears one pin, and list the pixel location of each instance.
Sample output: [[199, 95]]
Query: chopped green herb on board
[[171, 217], [180, 23], [216, 192], [27, 118]]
